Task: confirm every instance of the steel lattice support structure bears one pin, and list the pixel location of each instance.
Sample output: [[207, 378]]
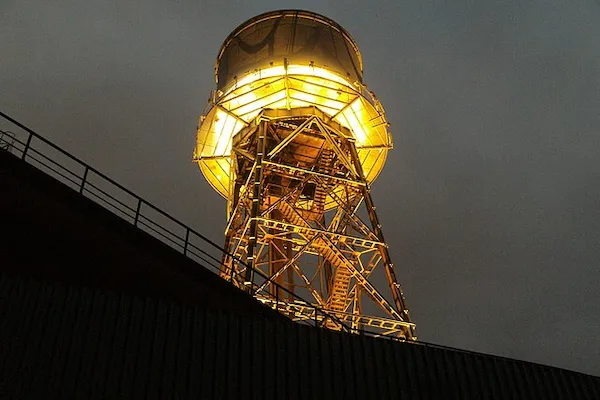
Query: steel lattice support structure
[[293, 139], [285, 167]]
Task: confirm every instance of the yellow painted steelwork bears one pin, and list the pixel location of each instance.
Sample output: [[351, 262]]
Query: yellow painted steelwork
[[292, 139]]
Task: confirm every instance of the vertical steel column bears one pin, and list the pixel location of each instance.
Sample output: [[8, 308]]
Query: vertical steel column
[[357, 309], [397, 294], [256, 201]]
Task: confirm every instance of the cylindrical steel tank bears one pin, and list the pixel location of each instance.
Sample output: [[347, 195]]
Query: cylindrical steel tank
[[289, 60], [293, 37]]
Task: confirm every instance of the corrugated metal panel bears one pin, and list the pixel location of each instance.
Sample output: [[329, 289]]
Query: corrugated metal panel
[[70, 342]]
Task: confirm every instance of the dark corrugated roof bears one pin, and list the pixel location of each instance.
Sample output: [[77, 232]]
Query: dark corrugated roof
[[71, 342]]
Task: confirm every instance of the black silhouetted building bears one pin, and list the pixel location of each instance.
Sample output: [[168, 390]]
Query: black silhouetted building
[[91, 306]]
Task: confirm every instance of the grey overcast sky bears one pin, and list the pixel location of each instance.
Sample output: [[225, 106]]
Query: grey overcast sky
[[490, 200]]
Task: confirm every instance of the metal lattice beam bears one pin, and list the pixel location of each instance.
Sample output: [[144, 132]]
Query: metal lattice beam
[[290, 172]]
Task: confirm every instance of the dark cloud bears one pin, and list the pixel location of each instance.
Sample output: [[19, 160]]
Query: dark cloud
[[490, 201]]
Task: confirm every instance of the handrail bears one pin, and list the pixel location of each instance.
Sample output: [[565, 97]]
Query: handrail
[[6, 144]]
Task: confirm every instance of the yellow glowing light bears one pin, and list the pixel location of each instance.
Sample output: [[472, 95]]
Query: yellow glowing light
[[258, 75], [353, 117], [317, 72], [296, 86]]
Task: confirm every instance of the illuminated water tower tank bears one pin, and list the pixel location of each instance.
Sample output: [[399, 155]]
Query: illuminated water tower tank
[[293, 139]]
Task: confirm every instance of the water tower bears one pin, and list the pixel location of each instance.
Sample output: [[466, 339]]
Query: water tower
[[293, 140]]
